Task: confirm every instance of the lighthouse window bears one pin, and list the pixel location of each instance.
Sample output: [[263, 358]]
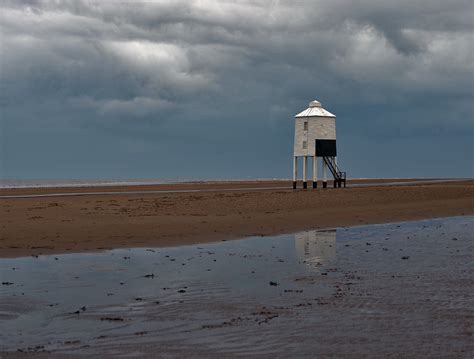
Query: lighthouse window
[[305, 144], [305, 126]]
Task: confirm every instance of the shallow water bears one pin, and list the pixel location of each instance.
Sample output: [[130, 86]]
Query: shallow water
[[375, 290]]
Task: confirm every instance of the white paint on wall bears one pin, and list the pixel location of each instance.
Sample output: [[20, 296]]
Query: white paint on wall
[[321, 124]]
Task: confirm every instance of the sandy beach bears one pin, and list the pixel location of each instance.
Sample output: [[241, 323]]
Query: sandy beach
[[151, 271], [34, 226]]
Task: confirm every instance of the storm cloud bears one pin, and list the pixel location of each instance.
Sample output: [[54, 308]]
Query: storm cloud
[[207, 89]]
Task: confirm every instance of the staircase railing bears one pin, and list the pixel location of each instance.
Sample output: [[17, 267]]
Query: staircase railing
[[339, 176]]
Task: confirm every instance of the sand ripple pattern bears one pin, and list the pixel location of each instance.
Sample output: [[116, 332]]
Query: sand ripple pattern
[[395, 290]]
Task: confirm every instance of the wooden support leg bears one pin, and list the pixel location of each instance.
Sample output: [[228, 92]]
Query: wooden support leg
[[325, 182], [305, 165], [315, 172], [295, 171]]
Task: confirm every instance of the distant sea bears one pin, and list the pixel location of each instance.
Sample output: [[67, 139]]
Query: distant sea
[[35, 183], [48, 183]]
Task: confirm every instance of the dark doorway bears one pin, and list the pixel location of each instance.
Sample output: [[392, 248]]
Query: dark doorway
[[326, 148]]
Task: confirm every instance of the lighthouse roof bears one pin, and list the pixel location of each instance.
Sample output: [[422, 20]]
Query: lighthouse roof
[[315, 109]]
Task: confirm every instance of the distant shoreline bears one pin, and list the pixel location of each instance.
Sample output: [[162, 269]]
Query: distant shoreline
[[47, 225], [195, 187], [65, 186], [10, 184]]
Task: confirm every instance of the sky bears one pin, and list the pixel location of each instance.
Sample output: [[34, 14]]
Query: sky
[[209, 89]]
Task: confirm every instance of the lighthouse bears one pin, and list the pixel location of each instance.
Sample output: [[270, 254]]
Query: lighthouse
[[315, 137]]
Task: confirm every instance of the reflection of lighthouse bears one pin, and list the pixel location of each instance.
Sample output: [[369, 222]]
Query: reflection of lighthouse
[[316, 246]]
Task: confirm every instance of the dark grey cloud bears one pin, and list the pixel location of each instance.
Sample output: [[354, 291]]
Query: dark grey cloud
[[175, 80]]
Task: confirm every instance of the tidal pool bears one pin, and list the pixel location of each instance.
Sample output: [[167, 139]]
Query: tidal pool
[[403, 289]]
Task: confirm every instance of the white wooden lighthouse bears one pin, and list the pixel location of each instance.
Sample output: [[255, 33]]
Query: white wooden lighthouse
[[315, 137]]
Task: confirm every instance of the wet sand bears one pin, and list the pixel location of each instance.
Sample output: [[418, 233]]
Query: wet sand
[[380, 291], [34, 226]]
